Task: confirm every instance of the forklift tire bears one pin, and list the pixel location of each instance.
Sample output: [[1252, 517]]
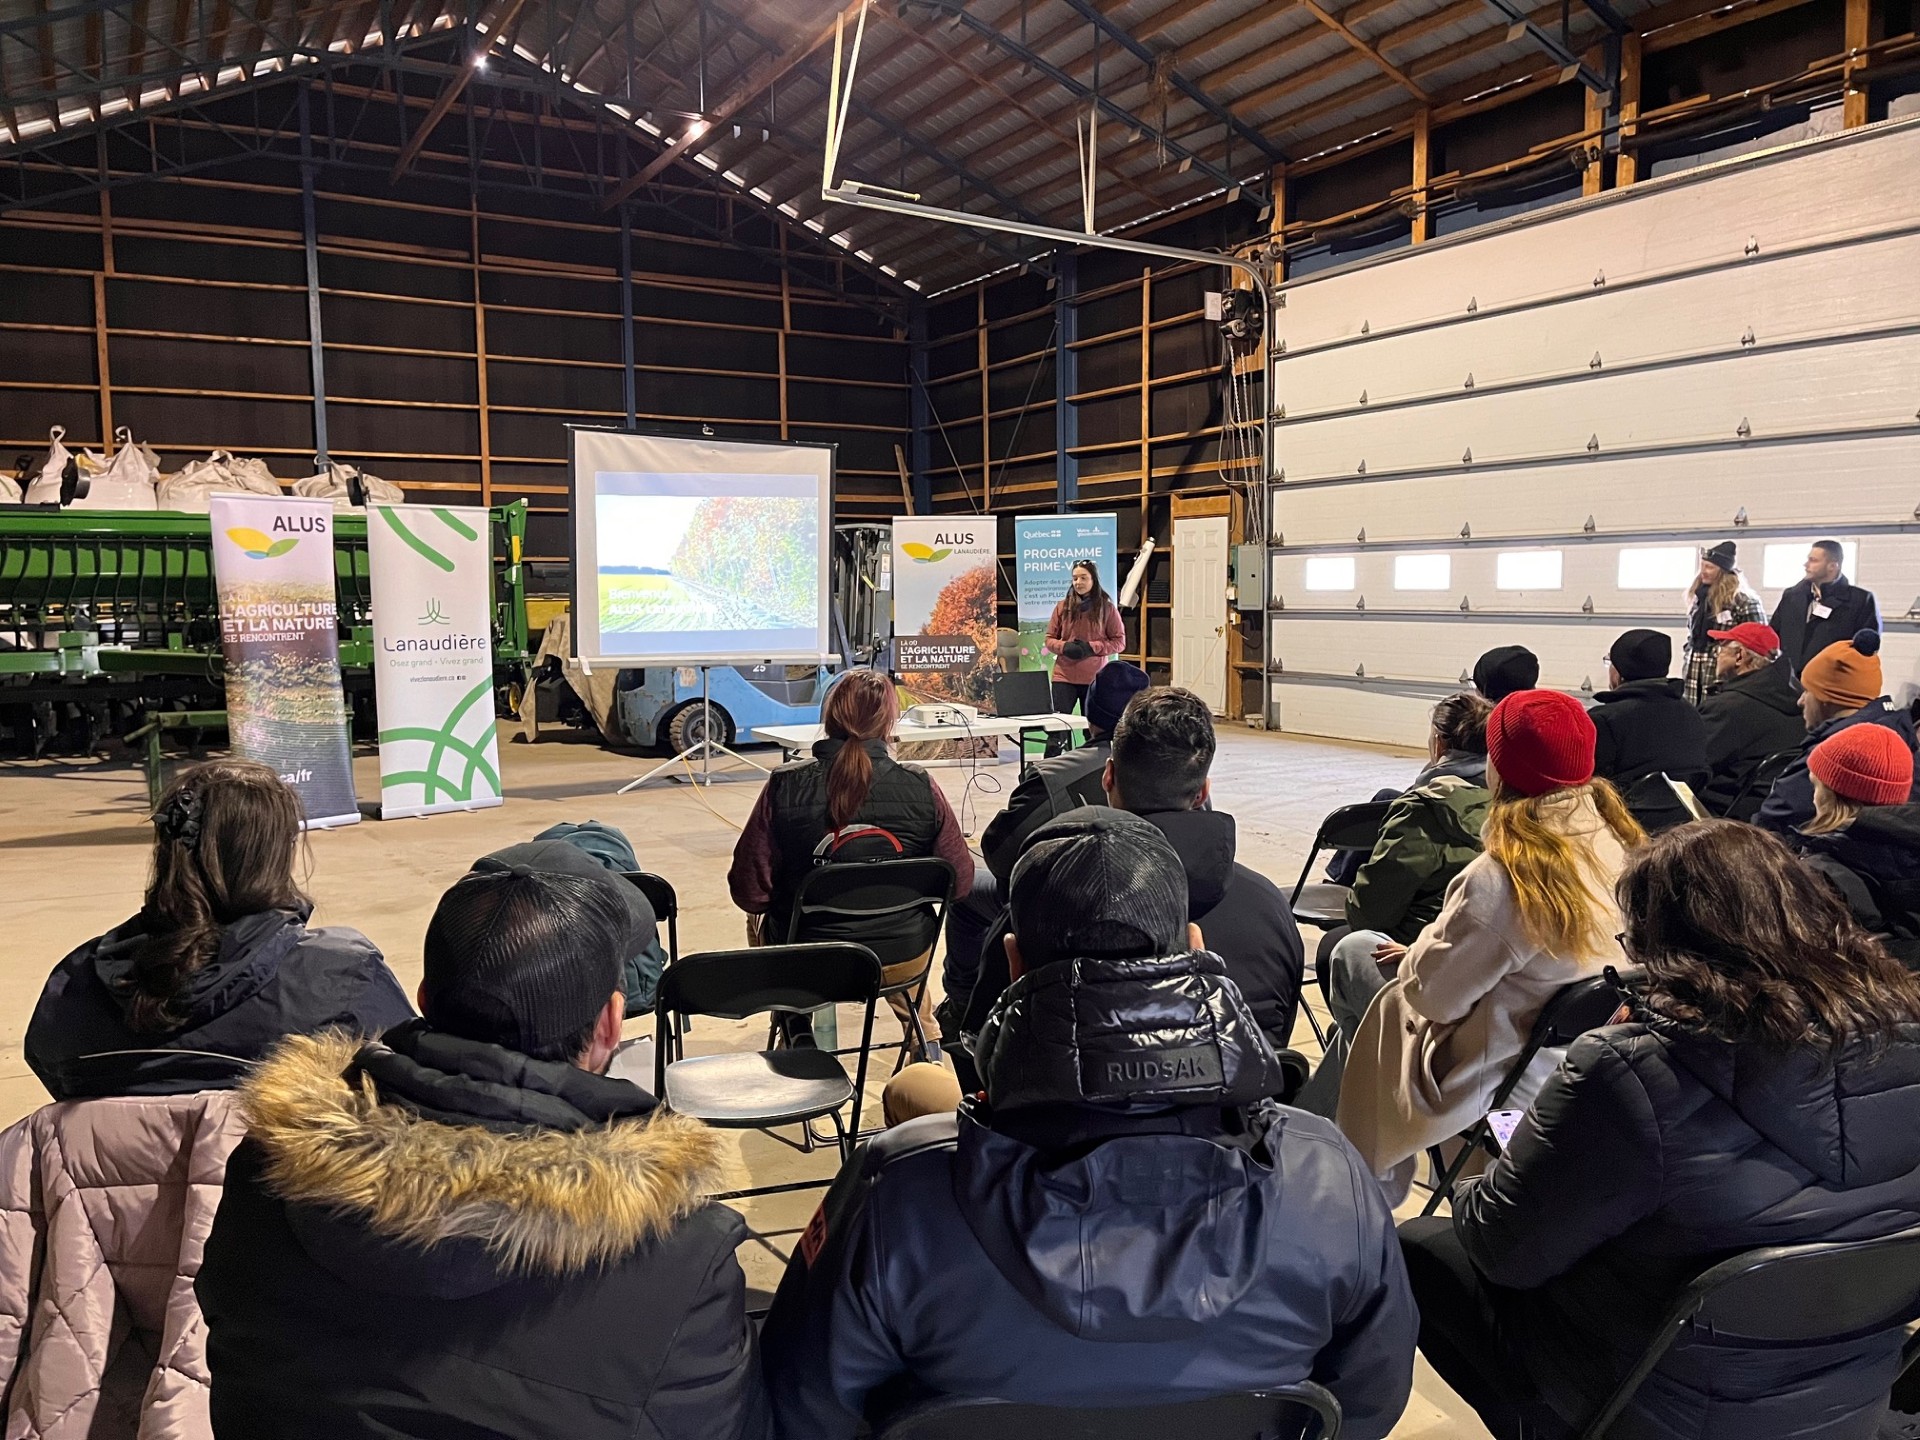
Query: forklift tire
[[687, 726]]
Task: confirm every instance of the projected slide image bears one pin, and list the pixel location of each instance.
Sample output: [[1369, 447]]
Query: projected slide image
[[680, 557]]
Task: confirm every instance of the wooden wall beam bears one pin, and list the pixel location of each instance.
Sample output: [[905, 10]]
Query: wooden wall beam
[[1626, 168], [1422, 173], [1859, 37]]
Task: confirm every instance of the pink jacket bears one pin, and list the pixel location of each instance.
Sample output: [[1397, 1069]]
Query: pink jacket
[[1102, 631], [104, 1208]]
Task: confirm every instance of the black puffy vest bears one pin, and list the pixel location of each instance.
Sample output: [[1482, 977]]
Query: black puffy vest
[[900, 801]]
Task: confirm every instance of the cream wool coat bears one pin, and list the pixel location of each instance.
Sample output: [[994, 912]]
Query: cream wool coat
[[105, 1206], [1436, 1042]]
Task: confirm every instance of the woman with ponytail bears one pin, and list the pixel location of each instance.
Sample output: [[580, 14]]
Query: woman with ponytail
[[219, 964], [852, 799], [1534, 912]]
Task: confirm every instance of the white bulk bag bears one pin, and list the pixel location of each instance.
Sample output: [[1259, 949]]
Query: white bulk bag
[[43, 485], [126, 482], [332, 484], [219, 474]]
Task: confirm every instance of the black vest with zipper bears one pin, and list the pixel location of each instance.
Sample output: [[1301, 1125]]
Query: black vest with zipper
[[900, 801]]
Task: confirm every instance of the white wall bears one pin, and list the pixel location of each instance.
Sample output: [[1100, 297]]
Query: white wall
[[1732, 353]]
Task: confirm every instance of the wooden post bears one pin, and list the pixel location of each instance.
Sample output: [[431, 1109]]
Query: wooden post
[[986, 402], [1627, 170], [480, 352], [1593, 179], [1859, 36], [100, 360], [1277, 224], [1422, 171]]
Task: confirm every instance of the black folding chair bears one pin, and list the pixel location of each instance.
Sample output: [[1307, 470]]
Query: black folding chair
[[896, 908], [763, 1088], [1573, 1011], [1752, 793], [1323, 904], [1306, 1411], [1784, 1295], [666, 906]]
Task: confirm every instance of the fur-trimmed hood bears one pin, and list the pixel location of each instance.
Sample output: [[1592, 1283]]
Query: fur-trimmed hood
[[460, 1208]]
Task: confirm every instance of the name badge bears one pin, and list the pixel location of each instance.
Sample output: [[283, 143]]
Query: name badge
[[1725, 617], [1821, 612]]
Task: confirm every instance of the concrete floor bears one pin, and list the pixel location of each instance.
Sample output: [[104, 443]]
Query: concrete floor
[[73, 855]]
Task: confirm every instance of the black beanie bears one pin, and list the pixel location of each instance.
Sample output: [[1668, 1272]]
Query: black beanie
[[1116, 684], [1504, 671], [1642, 655], [523, 958], [1099, 883]]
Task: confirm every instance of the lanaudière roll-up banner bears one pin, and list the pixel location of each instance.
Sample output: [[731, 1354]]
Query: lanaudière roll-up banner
[[945, 586], [432, 576], [279, 627]]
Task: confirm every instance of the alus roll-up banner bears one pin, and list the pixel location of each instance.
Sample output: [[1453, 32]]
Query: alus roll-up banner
[[945, 593], [432, 586], [279, 627]]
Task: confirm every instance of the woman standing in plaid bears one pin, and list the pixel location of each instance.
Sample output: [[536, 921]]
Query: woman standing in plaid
[[1717, 600]]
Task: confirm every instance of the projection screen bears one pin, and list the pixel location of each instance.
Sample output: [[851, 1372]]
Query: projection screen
[[689, 550]]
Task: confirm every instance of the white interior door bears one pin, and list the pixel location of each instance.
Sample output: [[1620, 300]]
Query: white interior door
[[1200, 608]]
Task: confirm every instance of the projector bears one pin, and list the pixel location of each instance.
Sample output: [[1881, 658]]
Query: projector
[[928, 717]]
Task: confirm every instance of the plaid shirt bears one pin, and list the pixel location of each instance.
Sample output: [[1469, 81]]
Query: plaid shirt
[[1700, 665]]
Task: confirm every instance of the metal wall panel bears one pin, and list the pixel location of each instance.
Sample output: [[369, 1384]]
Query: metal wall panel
[[1756, 328]]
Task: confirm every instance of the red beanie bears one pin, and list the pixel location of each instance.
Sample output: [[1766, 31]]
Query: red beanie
[[1540, 740], [1868, 764]]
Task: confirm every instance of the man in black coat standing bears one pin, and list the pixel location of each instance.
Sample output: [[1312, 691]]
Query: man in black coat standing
[[1822, 609], [1123, 1218], [1752, 713], [466, 1228], [1645, 727]]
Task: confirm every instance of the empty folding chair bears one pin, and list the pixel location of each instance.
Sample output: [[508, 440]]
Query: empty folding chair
[[1322, 903], [762, 1088]]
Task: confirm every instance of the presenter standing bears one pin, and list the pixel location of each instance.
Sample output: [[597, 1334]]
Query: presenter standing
[[1718, 599], [1084, 630]]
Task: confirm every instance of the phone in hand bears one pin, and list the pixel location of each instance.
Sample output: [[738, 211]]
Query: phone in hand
[[1503, 1123]]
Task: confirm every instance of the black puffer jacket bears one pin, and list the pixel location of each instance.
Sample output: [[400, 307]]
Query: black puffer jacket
[[1748, 718], [272, 977], [1654, 1153], [1789, 804], [434, 1239], [1875, 865], [1646, 727], [1122, 1224]]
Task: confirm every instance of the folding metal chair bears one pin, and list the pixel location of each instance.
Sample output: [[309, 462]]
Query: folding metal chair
[[1573, 1011], [1752, 793], [1323, 904], [1305, 1411], [764, 1088], [1785, 1295], [666, 906]]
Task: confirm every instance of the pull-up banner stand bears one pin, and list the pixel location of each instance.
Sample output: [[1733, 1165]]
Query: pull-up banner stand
[[1045, 550], [279, 627], [945, 590], [432, 578]]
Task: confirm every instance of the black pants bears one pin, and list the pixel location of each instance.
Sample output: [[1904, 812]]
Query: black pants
[[1067, 697], [969, 918], [1464, 1338]]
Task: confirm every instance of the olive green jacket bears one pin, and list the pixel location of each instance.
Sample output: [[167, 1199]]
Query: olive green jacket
[[1429, 836]]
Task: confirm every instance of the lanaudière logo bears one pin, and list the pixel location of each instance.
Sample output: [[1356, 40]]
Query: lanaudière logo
[[435, 615]]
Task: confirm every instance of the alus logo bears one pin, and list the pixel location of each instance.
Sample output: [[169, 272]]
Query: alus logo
[[924, 554], [256, 546]]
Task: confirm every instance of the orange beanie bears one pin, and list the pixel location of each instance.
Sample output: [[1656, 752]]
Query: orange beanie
[[1847, 672]]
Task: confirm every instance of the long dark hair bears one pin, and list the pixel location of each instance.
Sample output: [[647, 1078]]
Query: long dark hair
[[1096, 598], [224, 840], [861, 706], [1744, 943]]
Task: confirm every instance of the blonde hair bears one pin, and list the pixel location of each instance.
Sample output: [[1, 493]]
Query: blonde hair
[[1552, 872], [1721, 595], [1832, 811]]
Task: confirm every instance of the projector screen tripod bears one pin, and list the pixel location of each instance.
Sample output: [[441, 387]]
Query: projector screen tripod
[[704, 746]]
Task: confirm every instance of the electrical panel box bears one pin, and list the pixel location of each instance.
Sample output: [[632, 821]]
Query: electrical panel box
[[1250, 578]]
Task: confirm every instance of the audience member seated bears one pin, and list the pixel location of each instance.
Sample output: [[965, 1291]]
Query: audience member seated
[[1533, 913], [466, 1227], [219, 964], [1644, 728], [1431, 834], [1765, 1091], [1864, 837], [1752, 713], [1505, 670], [1456, 745], [1120, 1220], [852, 792], [596, 849], [1162, 750], [1840, 687], [1051, 786]]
